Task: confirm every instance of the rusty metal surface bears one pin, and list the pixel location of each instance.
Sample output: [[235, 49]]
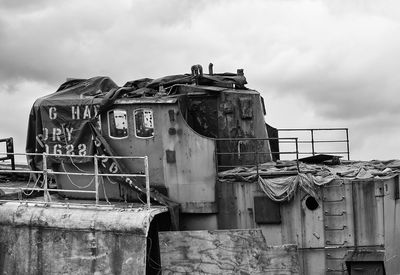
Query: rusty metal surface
[[351, 214], [225, 252], [240, 115], [133, 220], [192, 177], [51, 240], [32, 250]]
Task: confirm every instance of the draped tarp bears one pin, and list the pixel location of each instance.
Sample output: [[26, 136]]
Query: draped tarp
[[278, 186], [60, 123]]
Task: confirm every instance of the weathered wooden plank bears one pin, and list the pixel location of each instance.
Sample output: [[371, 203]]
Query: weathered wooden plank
[[225, 252]]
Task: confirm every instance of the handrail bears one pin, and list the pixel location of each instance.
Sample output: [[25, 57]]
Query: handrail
[[256, 153], [314, 141], [45, 172]]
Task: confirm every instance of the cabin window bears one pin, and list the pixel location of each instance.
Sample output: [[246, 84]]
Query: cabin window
[[117, 124], [144, 123]]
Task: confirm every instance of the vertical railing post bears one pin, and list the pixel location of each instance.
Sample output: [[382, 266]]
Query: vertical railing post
[[45, 191], [347, 143], [312, 141], [10, 151], [146, 169], [96, 177], [297, 155], [216, 156], [257, 161]]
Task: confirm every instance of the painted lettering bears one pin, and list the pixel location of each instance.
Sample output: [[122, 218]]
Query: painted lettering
[[86, 112], [113, 168], [69, 133], [70, 149], [57, 149], [52, 113], [45, 133], [82, 149], [56, 134], [47, 149], [104, 161], [75, 112]]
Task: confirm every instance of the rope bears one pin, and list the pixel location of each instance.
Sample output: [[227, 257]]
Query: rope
[[104, 191], [77, 186], [37, 180]]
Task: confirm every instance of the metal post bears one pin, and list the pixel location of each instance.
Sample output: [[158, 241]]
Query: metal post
[[46, 193], [348, 145], [10, 149], [297, 155], [216, 156], [312, 141], [96, 177], [146, 169], [257, 161]]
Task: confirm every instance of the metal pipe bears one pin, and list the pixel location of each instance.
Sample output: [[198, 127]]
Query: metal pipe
[[46, 194], [75, 156], [348, 145], [315, 129], [96, 177], [297, 156], [312, 142], [48, 190], [146, 169]]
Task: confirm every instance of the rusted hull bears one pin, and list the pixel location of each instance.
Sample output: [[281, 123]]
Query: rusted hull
[[225, 252], [48, 240], [351, 215]]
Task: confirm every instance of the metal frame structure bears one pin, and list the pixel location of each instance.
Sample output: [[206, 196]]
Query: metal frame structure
[[256, 153], [10, 151], [46, 172], [313, 141]]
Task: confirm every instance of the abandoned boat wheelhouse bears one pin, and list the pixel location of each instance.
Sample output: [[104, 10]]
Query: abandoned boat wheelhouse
[[185, 176]]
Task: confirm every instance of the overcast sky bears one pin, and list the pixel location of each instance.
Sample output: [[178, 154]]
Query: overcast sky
[[316, 63]]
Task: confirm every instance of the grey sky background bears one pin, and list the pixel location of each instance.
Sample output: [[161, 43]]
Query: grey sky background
[[316, 63]]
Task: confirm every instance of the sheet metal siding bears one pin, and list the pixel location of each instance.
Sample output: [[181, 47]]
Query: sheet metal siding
[[392, 226], [225, 252], [239, 120], [50, 240], [35, 250], [351, 213], [134, 146], [368, 212], [192, 177]]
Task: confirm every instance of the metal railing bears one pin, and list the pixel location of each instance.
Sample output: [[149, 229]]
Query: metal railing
[[237, 153], [313, 141], [9, 151], [46, 172]]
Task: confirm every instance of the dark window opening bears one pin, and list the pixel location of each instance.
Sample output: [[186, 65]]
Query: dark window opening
[[117, 123], [144, 123]]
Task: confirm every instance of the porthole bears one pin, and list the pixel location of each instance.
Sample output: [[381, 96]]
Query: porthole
[[311, 203]]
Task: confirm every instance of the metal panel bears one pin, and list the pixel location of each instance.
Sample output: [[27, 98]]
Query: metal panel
[[266, 211], [338, 222], [312, 225], [368, 212], [53, 240], [192, 176], [225, 252]]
